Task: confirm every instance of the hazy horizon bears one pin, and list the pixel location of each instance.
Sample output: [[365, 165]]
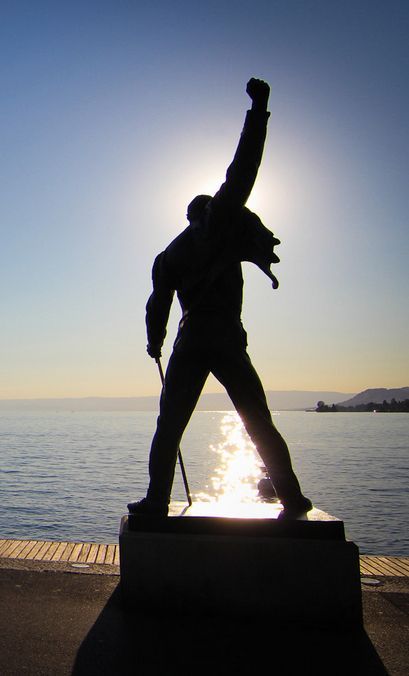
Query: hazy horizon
[[147, 396], [208, 401]]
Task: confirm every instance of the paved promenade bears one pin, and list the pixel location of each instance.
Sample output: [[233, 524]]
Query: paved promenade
[[61, 617]]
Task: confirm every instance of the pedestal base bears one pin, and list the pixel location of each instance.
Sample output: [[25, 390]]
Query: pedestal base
[[298, 571]]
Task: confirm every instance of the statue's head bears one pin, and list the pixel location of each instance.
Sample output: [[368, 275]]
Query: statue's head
[[197, 206]]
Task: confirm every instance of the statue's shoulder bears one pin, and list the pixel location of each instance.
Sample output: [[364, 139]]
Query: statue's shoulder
[[181, 247]]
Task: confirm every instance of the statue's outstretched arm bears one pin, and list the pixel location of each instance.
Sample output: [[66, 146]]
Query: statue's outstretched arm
[[242, 172]]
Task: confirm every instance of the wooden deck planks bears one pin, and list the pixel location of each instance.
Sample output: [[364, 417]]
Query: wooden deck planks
[[403, 562], [76, 552], [101, 554], [65, 556], [389, 563], [34, 551], [43, 550], [385, 566], [70, 552], [3, 546], [59, 551], [83, 555], [110, 555], [49, 553], [9, 550], [365, 569]]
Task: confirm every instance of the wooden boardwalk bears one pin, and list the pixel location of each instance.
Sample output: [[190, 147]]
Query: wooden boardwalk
[[87, 553], [392, 566], [69, 552]]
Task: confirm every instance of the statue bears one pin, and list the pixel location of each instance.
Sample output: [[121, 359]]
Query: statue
[[203, 266]]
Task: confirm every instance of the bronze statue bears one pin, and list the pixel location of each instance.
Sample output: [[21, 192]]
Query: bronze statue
[[203, 265]]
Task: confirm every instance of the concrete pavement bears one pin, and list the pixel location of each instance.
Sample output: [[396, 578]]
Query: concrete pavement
[[57, 620]]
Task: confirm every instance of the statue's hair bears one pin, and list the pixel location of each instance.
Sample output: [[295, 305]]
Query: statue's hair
[[197, 206]]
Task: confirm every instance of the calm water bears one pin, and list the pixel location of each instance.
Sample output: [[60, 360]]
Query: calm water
[[69, 476]]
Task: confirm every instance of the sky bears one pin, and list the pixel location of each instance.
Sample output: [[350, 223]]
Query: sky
[[116, 113]]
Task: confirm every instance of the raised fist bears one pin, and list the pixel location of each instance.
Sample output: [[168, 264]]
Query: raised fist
[[258, 91]]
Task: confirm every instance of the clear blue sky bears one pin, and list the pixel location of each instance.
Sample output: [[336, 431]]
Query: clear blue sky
[[116, 113]]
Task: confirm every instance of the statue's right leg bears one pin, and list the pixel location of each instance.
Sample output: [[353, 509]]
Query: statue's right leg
[[184, 380], [238, 375]]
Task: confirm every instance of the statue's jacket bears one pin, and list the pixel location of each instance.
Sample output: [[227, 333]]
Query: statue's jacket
[[203, 264]]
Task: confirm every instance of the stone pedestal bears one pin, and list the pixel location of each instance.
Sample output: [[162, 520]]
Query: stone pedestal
[[300, 571]]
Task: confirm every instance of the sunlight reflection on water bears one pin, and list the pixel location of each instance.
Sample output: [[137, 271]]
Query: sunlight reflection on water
[[238, 469]]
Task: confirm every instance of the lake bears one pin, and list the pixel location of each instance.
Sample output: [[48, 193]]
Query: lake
[[69, 475]]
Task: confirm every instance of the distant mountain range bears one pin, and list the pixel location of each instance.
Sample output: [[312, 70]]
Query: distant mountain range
[[277, 401], [377, 396]]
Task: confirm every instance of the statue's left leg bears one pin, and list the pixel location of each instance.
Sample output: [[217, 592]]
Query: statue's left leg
[[236, 372]]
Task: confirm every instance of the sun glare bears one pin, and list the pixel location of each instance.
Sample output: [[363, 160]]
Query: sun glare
[[238, 470]]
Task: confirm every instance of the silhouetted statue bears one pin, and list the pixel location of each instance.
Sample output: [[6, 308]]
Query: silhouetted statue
[[203, 265]]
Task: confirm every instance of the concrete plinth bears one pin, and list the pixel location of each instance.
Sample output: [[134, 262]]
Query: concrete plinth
[[299, 571]]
